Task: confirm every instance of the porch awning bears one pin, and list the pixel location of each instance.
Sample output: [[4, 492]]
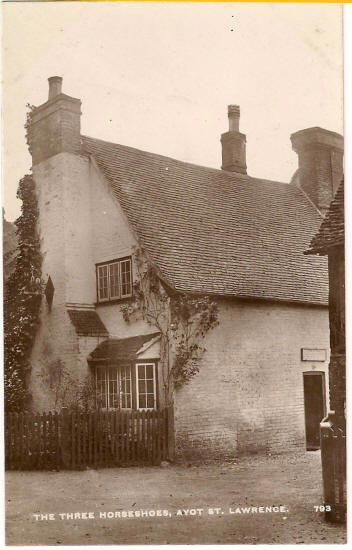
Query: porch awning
[[122, 350], [87, 322]]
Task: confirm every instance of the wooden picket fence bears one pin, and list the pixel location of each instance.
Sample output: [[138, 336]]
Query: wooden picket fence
[[98, 439], [32, 441]]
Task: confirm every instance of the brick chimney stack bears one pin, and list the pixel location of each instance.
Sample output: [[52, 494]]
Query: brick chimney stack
[[55, 126], [320, 164], [234, 144]]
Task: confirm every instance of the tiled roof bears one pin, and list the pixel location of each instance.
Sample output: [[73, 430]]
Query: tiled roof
[[214, 232], [122, 350], [87, 322], [332, 230]]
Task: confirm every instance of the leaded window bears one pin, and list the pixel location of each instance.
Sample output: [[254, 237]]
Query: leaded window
[[114, 387], [114, 280], [126, 386]]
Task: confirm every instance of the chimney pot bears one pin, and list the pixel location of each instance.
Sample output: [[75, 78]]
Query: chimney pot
[[233, 144], [233, 112], [55, 85]]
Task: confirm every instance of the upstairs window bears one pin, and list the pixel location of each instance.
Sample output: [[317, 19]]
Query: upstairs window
[[114, 280]]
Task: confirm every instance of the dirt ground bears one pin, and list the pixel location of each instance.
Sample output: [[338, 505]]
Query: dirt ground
[[292, 481]]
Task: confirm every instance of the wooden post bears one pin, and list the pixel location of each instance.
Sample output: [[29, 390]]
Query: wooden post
[[170, 434], [65, 439], [332, 452]]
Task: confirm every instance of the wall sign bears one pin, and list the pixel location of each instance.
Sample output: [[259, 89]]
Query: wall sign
[[313, 354]]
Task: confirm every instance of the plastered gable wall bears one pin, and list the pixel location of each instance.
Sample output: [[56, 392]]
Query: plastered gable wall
[[112, 238], [60, 241], [248, 395], [79, 267], [80, 224]]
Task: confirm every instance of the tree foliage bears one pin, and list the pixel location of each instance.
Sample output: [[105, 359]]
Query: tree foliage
[[182, 320], [22, 298]]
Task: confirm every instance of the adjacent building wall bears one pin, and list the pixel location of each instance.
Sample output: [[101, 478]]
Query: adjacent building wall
[[248, 394]]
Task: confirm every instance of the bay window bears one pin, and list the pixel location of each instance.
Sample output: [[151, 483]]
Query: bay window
[[127, 386]]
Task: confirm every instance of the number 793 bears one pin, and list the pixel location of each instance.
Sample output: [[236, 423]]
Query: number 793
[[322, 508]]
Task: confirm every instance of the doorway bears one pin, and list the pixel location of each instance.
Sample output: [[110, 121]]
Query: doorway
[[314, 407]]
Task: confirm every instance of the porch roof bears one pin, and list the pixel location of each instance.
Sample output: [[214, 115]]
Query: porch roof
[[121, 350]]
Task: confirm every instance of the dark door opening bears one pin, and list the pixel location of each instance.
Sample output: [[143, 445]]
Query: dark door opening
[[314, 407]]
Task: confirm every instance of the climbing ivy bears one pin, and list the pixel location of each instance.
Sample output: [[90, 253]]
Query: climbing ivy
[[182, 319], [22, 296]]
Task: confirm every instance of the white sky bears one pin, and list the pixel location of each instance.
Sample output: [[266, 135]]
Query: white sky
[[159, 76]]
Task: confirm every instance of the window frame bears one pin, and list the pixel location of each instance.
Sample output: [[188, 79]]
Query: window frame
[[108, 264], [145, 364], [134, 390], [118, 370]]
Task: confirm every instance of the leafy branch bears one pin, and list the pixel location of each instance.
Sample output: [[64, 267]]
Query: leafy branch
[[183, 321]]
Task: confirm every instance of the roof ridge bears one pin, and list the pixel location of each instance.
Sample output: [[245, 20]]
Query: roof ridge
[[151, 335], [309, 200], [238, 175]]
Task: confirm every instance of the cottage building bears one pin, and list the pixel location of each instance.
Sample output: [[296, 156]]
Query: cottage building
[[206, 231]]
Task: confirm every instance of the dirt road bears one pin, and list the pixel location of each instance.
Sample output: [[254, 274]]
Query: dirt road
[[101, 499]]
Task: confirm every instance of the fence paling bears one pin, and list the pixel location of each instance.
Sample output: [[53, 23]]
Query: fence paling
[[115, 443], [56, 441], [98, 439], [101, 439], [9, 441]]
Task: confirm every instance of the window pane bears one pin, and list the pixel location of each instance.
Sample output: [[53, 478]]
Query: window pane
[[149, 371], [141, 386], [103, 282], [112, 373], [125, 387], [113, 395], [150, 386], [142, 401], [150, 401], [112, 385], [141, 371], [101, 387], [126, 287], [114, 280]]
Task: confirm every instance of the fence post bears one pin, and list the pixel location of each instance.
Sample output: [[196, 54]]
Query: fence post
[[327, 462], [170, 433], [333, 455], [65, 439]]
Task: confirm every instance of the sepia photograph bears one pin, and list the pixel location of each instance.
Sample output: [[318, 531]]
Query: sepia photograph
[[173, 273]]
